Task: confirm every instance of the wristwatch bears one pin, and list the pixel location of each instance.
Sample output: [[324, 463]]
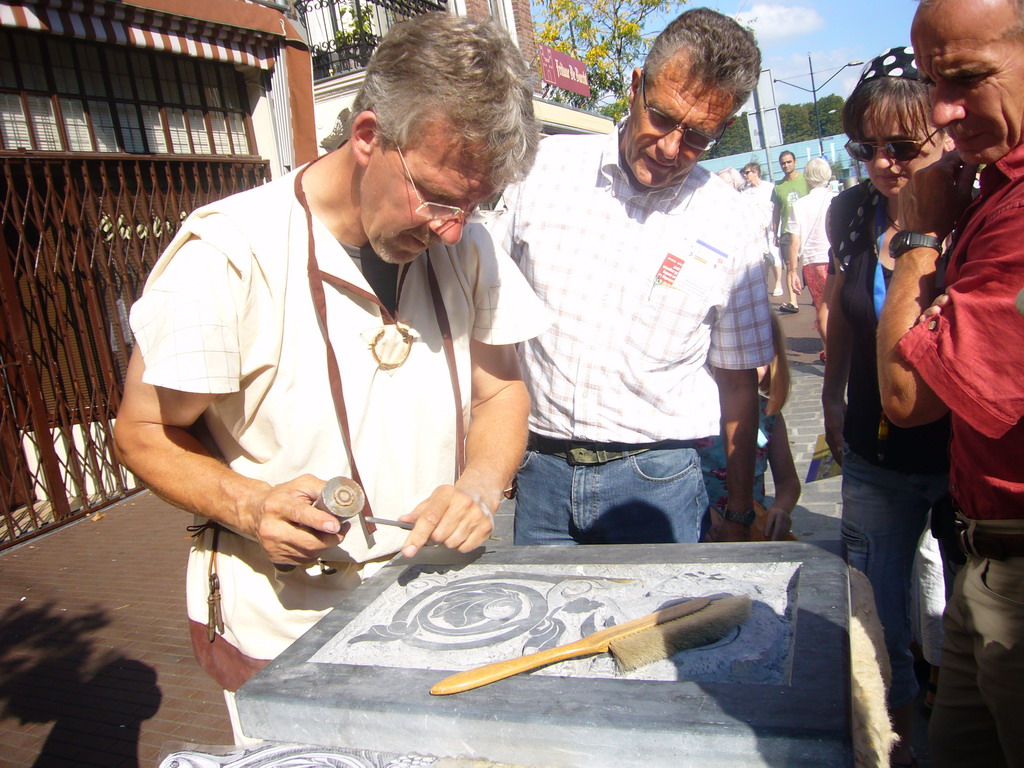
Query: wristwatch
[[745, 518], [904, 241]]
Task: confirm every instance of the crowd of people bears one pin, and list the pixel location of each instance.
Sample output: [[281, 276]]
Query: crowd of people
[[602, 346]]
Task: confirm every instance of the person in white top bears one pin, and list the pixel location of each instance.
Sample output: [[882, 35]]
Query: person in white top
[[760, 192], [332, 323], [808, 242], [661, 313]]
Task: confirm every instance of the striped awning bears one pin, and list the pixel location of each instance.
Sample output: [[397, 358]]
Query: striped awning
[[127, 25]]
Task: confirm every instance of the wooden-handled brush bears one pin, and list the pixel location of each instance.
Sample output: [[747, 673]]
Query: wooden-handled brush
[[633, 644]]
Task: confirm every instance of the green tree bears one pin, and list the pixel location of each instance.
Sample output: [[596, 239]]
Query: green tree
[[609, 36], [798, 123], [830, 110], [735, 140]]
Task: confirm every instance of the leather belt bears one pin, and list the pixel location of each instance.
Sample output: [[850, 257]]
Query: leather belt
[[588, 453], [993, 546]]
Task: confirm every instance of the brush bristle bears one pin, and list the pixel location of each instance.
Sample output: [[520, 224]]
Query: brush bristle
[[706, 626]]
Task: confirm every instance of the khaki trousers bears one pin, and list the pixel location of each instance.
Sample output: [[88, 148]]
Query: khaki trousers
[[978, 718]]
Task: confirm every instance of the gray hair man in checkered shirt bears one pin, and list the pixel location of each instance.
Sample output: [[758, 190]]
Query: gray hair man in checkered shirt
[[661, 312]]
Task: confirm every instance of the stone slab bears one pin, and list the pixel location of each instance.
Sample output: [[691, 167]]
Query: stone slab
[[773, 692]]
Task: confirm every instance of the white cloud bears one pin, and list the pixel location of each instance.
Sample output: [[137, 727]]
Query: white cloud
[[775, 23]]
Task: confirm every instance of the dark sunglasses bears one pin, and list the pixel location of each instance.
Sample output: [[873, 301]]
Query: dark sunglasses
[[664, 125], [901, 150]]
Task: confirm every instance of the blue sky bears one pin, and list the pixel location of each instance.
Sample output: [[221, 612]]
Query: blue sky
[[834, 32]]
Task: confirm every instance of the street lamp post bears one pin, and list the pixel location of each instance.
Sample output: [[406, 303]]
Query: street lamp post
[[813, 90]]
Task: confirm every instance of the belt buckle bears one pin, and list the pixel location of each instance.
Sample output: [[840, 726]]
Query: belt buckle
[[581, 457], [585, 457], [960, 530]]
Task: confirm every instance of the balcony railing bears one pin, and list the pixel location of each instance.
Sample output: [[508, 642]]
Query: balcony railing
[[344, 33]]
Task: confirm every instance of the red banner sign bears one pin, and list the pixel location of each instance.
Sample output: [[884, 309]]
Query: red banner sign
[[563, 71]]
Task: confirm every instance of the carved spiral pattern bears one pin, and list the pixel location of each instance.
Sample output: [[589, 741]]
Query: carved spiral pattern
[[467, 613]]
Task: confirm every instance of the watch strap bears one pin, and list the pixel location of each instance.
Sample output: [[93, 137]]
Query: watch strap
[[904, 241], [744, 518]]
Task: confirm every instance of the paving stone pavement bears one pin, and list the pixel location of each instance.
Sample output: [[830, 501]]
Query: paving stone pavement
[[817, 514]]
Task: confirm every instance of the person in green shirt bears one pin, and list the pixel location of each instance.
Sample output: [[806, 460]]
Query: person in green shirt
[[792, 187]]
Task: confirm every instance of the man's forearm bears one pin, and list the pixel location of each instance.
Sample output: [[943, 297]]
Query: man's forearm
[[153, 439], [495, 443], [906, 397], [738, 397], [178, 469], [740, 439]]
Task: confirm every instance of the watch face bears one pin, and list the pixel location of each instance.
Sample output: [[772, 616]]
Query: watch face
[[898, 244]]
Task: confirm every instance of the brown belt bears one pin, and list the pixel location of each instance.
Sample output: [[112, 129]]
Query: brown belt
[[993, 546]]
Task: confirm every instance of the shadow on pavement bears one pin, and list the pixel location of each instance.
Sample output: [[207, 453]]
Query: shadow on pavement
[[50, 672]]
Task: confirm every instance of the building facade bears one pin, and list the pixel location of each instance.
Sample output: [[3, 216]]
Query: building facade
[[117, 119]]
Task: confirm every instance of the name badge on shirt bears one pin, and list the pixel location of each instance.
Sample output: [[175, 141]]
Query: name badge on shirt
[[696, 276], [669, 270]]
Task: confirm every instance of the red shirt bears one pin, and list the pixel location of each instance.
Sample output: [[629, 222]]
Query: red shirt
[[972, 356]]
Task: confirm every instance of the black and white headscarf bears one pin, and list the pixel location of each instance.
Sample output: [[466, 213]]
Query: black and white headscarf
[[896, 62]]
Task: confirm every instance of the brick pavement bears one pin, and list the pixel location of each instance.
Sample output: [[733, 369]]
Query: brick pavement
[[95, 664]]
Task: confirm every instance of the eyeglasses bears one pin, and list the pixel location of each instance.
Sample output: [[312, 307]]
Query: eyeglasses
[[901, 150], [664, 125], [438, 212]]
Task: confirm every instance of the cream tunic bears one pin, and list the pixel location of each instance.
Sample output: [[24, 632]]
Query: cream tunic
[[227, 310]]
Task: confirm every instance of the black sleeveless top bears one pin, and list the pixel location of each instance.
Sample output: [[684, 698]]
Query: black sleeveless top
[[916, 450]]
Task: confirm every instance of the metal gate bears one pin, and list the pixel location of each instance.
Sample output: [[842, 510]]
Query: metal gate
[[80, 235]]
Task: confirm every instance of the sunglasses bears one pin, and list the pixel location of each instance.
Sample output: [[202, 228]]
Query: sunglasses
[[664, 125], [901, 150]]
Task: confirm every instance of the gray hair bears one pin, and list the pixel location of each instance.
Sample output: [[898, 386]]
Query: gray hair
[[437, 67], [732, 177], [721, 54], [754, 166], [817, 172]]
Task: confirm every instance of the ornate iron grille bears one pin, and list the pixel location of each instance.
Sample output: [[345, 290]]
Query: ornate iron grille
[[344, 33], [80, 235]]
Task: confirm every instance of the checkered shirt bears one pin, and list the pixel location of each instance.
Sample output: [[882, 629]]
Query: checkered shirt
[[650, 288]]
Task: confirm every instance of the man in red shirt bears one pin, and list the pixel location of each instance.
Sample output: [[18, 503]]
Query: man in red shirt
[[968, 358]]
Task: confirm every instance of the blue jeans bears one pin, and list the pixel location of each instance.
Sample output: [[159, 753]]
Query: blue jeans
[[884, 514], [653, 497]]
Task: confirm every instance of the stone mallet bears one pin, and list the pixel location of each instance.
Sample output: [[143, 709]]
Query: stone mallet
[[344, 498], [633, 644]]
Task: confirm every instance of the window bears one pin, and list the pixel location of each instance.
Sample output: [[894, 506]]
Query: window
[[65, 95]]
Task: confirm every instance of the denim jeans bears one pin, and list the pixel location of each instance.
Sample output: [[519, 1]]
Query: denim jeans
[[653, 497], [884, 514]]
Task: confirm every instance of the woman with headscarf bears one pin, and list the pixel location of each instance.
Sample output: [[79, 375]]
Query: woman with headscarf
[[891, 476]]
